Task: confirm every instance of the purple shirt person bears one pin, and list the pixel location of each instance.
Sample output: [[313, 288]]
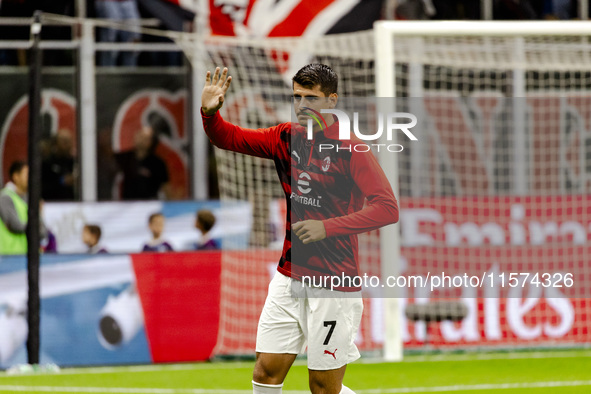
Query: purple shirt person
[[156, 226], [204, 223], [49, 243], [91, 235], [207, 244]]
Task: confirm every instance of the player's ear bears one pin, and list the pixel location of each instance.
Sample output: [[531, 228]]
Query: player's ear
[[332, 99]]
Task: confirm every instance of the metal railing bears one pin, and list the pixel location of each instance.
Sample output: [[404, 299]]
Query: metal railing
[[74, 41], [83, 42]]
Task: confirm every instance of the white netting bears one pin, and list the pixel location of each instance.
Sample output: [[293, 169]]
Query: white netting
[[486, 173], [260, 96], [499, 183]]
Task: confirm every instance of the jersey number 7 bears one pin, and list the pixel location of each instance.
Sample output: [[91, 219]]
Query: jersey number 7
[[332, 324]]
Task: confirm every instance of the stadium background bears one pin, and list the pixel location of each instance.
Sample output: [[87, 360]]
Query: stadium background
[[504, 226]]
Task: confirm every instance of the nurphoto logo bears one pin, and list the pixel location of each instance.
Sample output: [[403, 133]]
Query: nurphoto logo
[[389, 123]]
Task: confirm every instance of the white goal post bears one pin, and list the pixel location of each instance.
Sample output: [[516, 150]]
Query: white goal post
[[445, 61]]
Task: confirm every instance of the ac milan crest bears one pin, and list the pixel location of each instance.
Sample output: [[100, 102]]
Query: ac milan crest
[[326, 163]]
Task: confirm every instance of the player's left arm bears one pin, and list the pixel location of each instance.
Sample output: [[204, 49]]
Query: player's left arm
[[381, 208]]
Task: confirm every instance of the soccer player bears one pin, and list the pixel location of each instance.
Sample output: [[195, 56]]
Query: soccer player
[[156, 226], [325, 212]]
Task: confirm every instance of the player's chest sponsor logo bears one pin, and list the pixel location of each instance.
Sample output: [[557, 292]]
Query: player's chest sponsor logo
[[304, 188], [310, 201], [304, 183]]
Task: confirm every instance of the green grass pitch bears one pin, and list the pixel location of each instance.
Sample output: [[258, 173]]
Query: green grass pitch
[[567, 371]]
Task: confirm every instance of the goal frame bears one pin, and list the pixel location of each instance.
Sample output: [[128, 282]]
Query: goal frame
[[385, 33]]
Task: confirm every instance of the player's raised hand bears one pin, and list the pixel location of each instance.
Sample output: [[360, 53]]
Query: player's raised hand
[[212, 97], [309, 231]]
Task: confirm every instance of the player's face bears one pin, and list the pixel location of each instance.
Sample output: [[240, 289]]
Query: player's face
[[143, 138], [21, 179], [157, 226], [63, 142], [312, 98]]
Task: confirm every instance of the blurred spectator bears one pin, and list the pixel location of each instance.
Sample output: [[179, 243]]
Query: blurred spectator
[[438, 9], [49, 243], [470, 9], [559, 9], [125, 11], [58, 174], [108, 169], [515, 10], [415, 10], [204, 223], [173, 17], [157, 244], [14, 211], [91, 236], [456, 9], [145, 175]]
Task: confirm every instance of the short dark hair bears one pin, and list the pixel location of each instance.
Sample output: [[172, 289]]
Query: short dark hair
[[95, 230], [206, 218], [154, 216], [318, 74], [15, 167]]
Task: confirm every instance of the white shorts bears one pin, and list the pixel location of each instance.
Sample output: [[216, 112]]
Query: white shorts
[[328, 326]]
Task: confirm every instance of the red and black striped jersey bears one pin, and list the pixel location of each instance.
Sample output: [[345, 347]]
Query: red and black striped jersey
[[327, 184]]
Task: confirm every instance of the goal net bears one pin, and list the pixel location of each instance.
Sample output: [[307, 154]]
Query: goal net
[[496, 187], [260, 96]]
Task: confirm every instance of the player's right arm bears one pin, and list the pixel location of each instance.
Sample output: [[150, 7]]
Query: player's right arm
[[225, 135]]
